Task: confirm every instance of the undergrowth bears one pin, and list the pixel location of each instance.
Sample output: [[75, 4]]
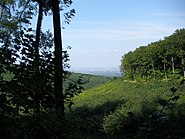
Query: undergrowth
[[122, 109]]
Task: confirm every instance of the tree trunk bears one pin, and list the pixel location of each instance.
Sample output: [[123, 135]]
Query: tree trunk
[[36, 60], [173, 65], [1, 12], [182, 62], [58, 77], [38, 31], [183, 68]]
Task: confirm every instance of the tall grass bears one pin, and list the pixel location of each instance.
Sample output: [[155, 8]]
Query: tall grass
[[106, 108]]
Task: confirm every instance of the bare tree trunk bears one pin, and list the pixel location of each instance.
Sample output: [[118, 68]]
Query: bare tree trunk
[[183, 68], [173, 65], [58, 79], [1, 12], [182, 61]]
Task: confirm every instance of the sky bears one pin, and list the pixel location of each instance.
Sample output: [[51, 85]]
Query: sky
[[102, 31]]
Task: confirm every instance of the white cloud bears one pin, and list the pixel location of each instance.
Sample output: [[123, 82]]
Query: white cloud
[[106, 42], [122, 32]]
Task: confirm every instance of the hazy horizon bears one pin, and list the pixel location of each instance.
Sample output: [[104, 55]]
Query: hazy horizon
[[103, 71]]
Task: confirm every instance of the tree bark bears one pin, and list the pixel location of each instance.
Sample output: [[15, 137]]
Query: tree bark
[[38, 31], [58, 69], [183, 67], [1, 12], [173, 65], [36, 61]]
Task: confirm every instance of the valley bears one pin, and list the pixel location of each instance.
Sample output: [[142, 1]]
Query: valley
[[115, 109]]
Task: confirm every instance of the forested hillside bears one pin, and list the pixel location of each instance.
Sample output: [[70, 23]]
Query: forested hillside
[[39, 98], [161, 59], [124, 110], [86, 80]]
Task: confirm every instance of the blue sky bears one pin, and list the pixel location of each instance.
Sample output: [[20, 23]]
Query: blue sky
[[103, 30]]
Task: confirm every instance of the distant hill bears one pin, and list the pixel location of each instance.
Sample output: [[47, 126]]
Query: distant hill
[[88, 80], [102, 71]]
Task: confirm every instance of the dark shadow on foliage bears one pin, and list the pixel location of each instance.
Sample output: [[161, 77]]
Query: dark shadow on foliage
[[149, 123], [43, 125], [87, 122]]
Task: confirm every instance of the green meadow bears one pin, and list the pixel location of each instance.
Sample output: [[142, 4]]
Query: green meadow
[[129, 109]]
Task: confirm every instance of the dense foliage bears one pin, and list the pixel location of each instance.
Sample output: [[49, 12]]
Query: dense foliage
[[34, 102], [32, 70], [87, 80], [161, 59], [126, 109]]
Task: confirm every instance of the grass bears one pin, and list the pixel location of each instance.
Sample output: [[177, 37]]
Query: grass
[[102, 111], [114, 108], [119, 90]]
